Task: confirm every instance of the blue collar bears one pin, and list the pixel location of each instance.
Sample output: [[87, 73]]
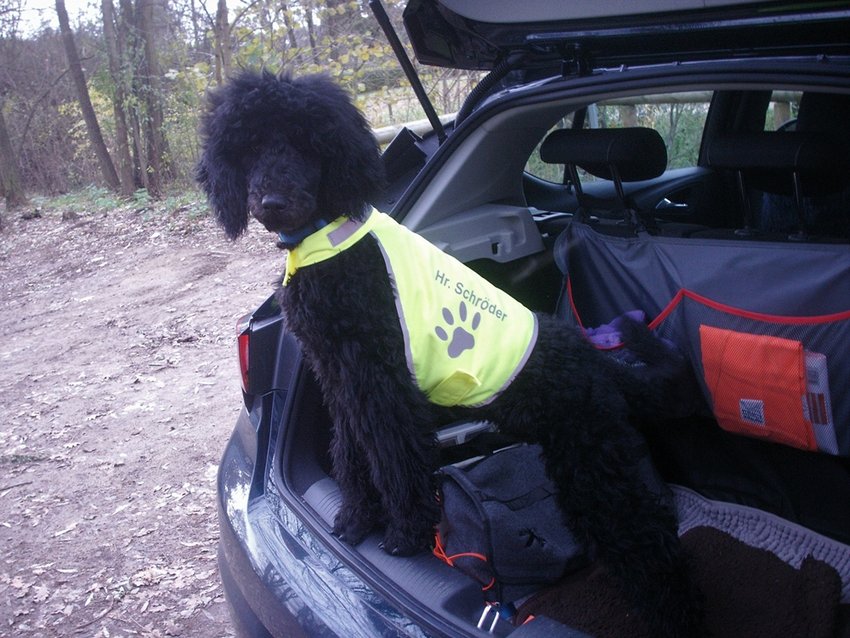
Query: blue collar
[[296, 237]]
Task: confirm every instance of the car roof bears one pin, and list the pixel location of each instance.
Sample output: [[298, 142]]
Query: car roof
[[472, 34]]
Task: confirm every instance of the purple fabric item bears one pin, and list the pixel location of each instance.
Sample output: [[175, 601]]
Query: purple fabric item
[[608, 335]]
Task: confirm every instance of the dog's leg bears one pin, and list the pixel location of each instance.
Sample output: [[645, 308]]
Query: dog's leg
[[361, 506], [384, 467], [400, 459], [593, 456], [403, 474], [566, 399]]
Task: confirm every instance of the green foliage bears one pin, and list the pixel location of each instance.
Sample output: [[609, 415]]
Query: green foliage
[[91, 200], [336, 37]]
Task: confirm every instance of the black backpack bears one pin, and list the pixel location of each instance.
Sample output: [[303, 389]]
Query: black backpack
[[502, 526]]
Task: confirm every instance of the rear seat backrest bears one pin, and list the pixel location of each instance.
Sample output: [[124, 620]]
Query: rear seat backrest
[[788, 168], [764, 324], [825, 113], [795, 164]]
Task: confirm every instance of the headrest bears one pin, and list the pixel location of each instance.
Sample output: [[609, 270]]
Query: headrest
[[768, 159], [826, 113], [637, 153]]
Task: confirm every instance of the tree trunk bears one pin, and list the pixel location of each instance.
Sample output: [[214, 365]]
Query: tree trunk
[[334, 20], [119, 99], [628, 115], [223, 54], [150, 86], [311, 28], [287, 23], [196, 38], [92, 126], [128, 49], [676, 111], [10, 176]]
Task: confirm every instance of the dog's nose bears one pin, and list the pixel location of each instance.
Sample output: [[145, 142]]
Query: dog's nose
[[273, 201]]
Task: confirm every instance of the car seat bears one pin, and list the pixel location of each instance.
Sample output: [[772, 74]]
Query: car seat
[[826, 210], [792, 184], [795, 165]]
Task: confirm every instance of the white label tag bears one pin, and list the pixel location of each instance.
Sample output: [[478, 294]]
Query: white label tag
[[752, 411]]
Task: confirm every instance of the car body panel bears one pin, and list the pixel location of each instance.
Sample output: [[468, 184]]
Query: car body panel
[[474, 35], [274, 566]]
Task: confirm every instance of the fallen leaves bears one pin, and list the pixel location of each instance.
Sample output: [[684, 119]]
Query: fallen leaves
[[152, 598], [119, 392], [62, 532]]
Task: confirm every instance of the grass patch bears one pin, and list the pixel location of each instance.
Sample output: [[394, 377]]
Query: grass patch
[[91, 199], [187, 203]]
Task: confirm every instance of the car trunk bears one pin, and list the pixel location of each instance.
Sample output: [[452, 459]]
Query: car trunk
[[810, 490], [439, 597]]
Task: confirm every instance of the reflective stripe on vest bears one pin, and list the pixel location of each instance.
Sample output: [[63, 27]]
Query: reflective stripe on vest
[[465, 340]]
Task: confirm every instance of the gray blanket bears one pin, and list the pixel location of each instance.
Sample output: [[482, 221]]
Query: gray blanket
[[790, 542]]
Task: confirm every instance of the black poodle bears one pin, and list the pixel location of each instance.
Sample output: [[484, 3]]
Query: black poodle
[[297, 155]]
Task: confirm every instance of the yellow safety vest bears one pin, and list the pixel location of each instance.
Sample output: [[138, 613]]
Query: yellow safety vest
[[465, 340]]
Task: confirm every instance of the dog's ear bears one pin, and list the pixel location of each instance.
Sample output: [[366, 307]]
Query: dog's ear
[[352, 167], [226, 189], [219, 171]]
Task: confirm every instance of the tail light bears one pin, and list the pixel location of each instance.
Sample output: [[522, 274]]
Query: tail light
[[243, 345]]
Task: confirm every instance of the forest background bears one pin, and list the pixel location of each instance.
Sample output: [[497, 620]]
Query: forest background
[[111, 99]]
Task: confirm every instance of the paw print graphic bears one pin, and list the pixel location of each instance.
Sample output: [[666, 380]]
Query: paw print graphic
[[460, 339]]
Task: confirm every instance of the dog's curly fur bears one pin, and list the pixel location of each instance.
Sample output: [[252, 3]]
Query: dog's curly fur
[[289, 151]]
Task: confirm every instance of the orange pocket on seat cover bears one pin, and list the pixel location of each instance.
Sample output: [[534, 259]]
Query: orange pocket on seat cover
[[757, 385]]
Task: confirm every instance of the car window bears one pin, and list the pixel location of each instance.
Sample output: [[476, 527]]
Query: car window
[[782, 110], [678, 117], [539, 168]]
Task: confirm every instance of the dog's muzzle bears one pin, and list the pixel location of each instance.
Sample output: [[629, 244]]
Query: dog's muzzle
[[273, 202]]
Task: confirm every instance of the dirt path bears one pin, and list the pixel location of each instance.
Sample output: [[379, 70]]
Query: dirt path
[[118, 390]]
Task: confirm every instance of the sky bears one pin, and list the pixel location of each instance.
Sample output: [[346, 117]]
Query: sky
[[35, 12]]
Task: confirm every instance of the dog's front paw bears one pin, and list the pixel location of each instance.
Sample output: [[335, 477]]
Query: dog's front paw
[[396, 545], [353, 526], [408, 539]]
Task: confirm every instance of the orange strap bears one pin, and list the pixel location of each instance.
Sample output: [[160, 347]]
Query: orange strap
[[440, 552]]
